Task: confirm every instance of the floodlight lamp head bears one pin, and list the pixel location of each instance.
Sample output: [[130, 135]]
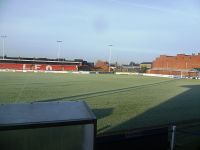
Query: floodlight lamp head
[[4, 36]]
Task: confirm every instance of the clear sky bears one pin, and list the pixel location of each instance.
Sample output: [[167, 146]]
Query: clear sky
[[139, 30]]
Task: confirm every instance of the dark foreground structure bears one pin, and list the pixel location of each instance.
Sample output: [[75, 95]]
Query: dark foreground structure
[[155, 139], [47, 126], [72, 126]]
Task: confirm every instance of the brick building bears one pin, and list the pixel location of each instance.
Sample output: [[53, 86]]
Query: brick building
[[183, 65]]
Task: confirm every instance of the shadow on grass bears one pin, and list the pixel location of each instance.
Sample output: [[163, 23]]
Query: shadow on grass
[[102, 113], [107, 92], [183, 107]]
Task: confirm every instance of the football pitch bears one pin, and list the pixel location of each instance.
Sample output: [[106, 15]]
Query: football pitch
[[120, 102]]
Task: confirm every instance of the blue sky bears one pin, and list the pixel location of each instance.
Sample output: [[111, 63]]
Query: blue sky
[[139, 30]]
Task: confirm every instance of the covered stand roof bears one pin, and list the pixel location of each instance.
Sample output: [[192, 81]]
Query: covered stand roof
[[44, 114]]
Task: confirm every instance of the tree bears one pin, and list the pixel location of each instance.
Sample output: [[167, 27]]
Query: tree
[[131, 63], [102, 65], [143, 69]]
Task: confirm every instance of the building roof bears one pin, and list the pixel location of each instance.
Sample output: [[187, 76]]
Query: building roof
[[43, 113], [146, 63], [38, 61]]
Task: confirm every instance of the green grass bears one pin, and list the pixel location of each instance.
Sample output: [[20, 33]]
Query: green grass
[[120, 102]]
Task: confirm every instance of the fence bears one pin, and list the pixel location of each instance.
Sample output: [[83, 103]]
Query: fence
[[156, 139], [186, 136], [173, 136]]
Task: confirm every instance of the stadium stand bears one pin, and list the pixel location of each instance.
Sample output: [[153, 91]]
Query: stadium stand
[[38, 64]]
